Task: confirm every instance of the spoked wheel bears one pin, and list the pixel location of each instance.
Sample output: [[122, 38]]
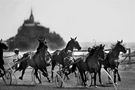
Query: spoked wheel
[[7, 78], [59, 79]]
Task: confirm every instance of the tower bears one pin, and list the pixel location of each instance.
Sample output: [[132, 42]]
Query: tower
[[31, 18], [30, 21]]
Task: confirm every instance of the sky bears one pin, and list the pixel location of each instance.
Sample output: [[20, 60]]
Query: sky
[[89, 20]]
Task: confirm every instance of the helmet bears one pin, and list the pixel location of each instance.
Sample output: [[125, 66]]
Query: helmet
[[16, 50]]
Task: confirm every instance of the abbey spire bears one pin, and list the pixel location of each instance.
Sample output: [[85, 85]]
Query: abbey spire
[[31, 18], [30, 21]]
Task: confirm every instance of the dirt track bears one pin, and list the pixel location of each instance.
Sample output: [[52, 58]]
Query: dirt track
[[127, 83]]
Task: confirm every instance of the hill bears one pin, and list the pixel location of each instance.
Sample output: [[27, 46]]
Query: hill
[[28, 34]]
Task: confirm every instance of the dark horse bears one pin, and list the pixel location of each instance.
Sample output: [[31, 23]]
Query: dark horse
[[92, 64], [111, 60], [2, 46], [36, 60], [59, 55]]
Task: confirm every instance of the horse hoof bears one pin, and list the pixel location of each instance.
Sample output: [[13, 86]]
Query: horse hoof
[[90, 85], [39, 83], [119, 80], [86, 85], [96, 86], [20, 78], [101, 84], [50, 81]]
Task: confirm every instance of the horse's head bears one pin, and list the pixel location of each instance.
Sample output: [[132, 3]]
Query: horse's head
[[98, 50], [42, 44], [3, 45], [92, 50], [73, 44], [42, 40], [101, 53], [120, 47]]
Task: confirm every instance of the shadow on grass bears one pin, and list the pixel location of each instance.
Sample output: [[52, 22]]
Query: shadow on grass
[[18, 85], [82, 87]]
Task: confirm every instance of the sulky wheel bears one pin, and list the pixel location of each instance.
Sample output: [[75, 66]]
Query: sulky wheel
[[7, 78], [59, 79]]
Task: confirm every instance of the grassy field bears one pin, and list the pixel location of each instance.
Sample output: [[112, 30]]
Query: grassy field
[[126, 71]]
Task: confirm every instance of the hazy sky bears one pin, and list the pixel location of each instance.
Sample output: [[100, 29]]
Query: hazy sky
[[89, 20]]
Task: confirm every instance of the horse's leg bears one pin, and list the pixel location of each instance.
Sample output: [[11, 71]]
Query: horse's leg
[[23, 71], [75, 74], [67, 76], [74, 70], [95, 76], [83, 77], [45, 69], [36, 74], [99, 75], [45, 74], [119, 79], [115, 71], [53, 65], [92, 77]]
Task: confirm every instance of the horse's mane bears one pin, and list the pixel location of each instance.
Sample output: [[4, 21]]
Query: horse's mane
[[113, 53], [114, 45], [92, 51], [67, 46]]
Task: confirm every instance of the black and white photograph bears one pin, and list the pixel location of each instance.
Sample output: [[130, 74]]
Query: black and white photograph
[[67, 44]]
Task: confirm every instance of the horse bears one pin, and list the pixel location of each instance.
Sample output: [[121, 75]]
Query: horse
[[23, 62], [3, 46], [92, 64], [111, 60], [37, 60], [59, 55]]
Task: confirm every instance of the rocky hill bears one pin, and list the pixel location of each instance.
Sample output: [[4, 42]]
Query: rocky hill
[[29, 32]]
